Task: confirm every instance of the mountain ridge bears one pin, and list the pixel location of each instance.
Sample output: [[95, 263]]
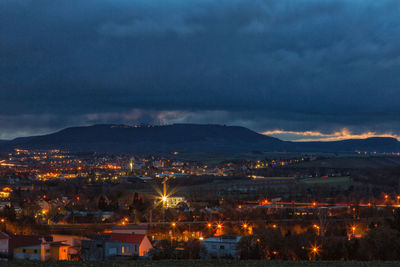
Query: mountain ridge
[[119, 138]]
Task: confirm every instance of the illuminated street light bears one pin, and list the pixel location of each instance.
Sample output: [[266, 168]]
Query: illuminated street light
[[353, 229], [317, 228], [209, 225], [314, 251], [173, 224]]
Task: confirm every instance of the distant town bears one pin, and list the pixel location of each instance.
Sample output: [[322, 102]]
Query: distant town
[[59, 205]]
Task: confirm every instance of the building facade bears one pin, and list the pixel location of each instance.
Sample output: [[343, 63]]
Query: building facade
[[224, 246]]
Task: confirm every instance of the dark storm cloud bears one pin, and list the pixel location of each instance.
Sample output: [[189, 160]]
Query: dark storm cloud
[[274, 64]]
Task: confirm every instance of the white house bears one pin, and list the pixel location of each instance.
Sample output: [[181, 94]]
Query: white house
[[4, 238], [221, 246], [174, 201], [141, 244]]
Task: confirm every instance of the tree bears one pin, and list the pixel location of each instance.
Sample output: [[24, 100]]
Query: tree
[[102, 203], [381, 243]]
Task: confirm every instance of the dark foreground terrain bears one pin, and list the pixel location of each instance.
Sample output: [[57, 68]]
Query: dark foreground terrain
[[200, 263]]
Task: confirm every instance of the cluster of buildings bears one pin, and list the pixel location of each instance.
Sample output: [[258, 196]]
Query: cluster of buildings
[[61, 165], [124, 242], [102, 168]]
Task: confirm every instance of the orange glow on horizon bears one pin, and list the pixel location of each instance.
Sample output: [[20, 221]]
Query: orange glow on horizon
[[343, 134]]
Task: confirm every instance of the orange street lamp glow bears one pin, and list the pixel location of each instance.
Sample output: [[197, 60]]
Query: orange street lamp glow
[[173, 224], [274, 226], [314, 250], [209, 225], [244, 226], [219, 226]]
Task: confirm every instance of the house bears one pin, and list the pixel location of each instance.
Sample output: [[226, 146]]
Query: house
[[4, 240], [173, 202], [4, 204], [121, 249], [101, 248], [116, 245], [73, 241], [59, 251], [141, 242], [40, 250], [18, 241], [224, 246], [94, 248]]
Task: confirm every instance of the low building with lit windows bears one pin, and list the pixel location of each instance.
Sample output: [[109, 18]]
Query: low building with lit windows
[[115, 246], [39, 251]]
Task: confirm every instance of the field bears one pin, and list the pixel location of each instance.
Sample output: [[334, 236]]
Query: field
[[343, 182], [355, 162], [329, 180], [207, 263]]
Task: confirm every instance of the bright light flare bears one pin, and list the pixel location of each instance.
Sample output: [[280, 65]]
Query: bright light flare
[[315, 250]]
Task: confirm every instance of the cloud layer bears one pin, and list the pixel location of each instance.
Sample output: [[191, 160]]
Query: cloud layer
[[307, 65]]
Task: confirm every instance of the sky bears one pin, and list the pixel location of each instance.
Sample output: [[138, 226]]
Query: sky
[[294, 69]]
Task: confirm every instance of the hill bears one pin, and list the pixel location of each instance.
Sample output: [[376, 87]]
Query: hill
[[373, 144], [114, 138], [176, 137]]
